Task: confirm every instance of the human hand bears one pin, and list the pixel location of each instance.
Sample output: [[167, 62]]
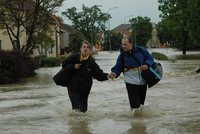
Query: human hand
[[109, 76], [77, 66], [143, 67], [112, 75]]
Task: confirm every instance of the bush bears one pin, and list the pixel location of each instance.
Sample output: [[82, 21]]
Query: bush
[[50, 62], [15, 65]]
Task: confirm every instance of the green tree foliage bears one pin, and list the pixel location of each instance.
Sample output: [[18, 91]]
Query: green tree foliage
[[163, 33], [115, 40], [89, 21], [75, 41], [182, 21], [194, 22], [26, 16], [142, 28], [105, 42]]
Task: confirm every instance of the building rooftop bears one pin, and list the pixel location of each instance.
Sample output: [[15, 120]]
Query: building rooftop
[[122, 27]]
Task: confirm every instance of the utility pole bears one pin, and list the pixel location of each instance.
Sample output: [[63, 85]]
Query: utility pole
[[135, 34], [92, 24], [109, 28]]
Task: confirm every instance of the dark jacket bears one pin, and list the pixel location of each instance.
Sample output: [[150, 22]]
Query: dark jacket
[[82, 78]]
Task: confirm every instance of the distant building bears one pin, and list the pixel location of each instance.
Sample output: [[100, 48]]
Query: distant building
[[65, 33], [123, 29], [126, 29], [154, 42]]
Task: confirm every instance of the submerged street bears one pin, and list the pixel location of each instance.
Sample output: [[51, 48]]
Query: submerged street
[[37, 106]]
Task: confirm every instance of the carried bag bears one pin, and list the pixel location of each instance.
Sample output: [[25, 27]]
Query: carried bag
[[153, 74], [63, 77]]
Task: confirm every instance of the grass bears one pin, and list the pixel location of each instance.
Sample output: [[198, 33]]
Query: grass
[[188, 57], [159, 56]]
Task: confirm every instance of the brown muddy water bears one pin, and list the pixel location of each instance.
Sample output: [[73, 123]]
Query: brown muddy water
[[38, 106]]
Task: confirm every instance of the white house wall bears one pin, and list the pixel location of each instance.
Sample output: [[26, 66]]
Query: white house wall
[[6, 42]]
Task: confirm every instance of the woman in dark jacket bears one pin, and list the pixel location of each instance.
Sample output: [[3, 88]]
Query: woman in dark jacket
[[84, 69]]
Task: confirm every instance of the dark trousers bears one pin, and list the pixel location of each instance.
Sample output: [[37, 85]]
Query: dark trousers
[[79, 101], [136, 94]]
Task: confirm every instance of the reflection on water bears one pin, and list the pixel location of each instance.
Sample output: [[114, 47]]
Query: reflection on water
[[37, 105], [79, 127], [137, 128]]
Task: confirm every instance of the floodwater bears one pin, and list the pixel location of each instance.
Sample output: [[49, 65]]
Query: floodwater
[[38, 106]]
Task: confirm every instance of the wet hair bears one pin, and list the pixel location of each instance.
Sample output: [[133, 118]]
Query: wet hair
[[129, 38], [86, 42]]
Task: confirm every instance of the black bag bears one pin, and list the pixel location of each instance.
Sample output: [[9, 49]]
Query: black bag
[[153, 74], [63, 77]]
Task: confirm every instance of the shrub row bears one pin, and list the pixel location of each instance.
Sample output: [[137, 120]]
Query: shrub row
[[188, 57], [50, 62]]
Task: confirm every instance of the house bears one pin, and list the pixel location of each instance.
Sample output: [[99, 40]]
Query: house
[[66, 31], [60, 33], [154, 42], [61, 37], [123, 29], [126, 29], [55, 34]]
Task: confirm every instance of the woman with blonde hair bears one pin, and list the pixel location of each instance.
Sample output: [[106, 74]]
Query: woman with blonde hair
[[84, 69]]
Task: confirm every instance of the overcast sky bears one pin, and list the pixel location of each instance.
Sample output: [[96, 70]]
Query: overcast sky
[[126, 9]]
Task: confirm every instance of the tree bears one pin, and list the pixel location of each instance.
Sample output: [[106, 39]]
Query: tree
[[142, 28], [26, 16], [115, 40], [163, 33], [90, 21], [75, 41], [182, 21], [194, 22]]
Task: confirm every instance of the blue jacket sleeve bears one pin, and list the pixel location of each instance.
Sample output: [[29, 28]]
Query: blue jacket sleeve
[[118, 68], [148, 59]]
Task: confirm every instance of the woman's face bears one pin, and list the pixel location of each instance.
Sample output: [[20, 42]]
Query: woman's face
[[85, 49]]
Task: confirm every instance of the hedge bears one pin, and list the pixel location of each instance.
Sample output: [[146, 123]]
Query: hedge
[[15, 65]]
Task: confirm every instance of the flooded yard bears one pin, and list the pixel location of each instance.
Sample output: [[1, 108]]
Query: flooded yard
[[37, 106]]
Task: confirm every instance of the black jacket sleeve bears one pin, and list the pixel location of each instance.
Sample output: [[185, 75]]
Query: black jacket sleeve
[[98, 73]]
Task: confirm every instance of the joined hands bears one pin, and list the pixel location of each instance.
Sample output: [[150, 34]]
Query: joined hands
[[111, 76]]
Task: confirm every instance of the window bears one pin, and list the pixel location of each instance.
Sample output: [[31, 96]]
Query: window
[[40, 49], [50, 49]]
